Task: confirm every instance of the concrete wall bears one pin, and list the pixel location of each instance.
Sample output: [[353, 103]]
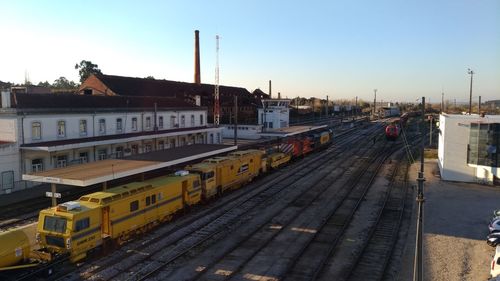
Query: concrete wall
[[8, 129], [248, 132]]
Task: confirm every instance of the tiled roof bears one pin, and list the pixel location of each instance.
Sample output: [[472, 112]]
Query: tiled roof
[[71, 101], [130, 86]]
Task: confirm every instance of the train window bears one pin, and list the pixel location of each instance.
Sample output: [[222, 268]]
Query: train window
[[55, 224], [160, 196], [84, 198], [134, 205], [251, 160], [153, 198], [232, 167], [196, 183], [148, 201], [82, 224]]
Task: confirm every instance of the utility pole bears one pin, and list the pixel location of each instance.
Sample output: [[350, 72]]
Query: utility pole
[[235, 120], [216, 93], [356, 106], [374, 103], [471, 72], [326, 106], [479, 106], [418, 266], [442, 102]]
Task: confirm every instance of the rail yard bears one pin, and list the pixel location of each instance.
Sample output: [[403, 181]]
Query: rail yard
[[301, 215]]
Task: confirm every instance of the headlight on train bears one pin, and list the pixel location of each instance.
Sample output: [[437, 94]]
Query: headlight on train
[[38, 238], [68, 243]]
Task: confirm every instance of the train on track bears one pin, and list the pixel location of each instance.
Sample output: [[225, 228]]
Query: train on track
[[106, 219], [394, 128]]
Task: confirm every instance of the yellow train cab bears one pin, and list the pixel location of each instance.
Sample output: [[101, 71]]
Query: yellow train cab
[[277, 159]]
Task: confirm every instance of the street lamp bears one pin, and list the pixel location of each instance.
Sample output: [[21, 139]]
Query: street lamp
[[471, 72]]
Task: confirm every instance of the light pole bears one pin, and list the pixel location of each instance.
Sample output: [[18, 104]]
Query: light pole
[[374, 103], [471, 72]]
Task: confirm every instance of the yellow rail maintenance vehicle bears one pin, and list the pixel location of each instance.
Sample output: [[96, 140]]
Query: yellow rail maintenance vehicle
[[113, 216], [277, 159], [207, 172]]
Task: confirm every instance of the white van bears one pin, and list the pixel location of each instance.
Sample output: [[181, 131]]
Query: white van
[[495, 263]]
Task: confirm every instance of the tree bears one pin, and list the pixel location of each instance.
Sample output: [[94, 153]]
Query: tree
[[63, 83], [44, 84], [150, 77], [86, 68]]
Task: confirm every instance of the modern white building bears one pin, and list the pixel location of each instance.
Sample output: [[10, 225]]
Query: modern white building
[[468, 148], [46, 131], [274, 114]]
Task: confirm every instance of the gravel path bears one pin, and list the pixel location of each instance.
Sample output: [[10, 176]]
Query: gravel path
[[456, 217]]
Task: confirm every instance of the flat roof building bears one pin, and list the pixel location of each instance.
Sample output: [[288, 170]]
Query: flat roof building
[[468, 148]]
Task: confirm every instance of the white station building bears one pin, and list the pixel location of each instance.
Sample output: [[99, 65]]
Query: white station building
[[468, 148], [40, 132]]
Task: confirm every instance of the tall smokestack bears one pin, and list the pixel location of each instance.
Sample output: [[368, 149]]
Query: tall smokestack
[[197, 78], [270, 94]]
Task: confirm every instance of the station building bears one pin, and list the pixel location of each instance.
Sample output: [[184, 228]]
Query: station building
[[469, 148], [39, 132]]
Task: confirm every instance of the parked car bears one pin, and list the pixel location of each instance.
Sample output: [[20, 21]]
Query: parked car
[[494, 225], [495, 264], [493, 239]]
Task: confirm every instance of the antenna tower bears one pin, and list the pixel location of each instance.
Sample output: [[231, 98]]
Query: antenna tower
[[216, 92]]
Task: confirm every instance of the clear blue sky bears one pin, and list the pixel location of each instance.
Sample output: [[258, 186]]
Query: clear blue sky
[[405, 49]]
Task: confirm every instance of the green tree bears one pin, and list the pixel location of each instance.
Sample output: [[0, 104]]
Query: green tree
[[44, 84], [86, 68], [63, 83]]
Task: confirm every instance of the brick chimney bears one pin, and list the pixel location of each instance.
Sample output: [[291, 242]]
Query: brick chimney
[[197, 78]]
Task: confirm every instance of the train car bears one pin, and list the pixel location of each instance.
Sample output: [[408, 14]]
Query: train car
[[392, 131], [321, 139], [102, 218], [234, 170], [16, 245], [278, 159]]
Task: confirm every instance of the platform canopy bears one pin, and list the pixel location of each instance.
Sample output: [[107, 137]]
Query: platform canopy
[[290, 131], [110, 169]]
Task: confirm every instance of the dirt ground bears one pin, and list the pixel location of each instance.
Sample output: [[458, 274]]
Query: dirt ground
[[456, 217]]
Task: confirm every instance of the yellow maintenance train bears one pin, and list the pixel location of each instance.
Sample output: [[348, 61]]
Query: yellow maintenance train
[[110, 217]]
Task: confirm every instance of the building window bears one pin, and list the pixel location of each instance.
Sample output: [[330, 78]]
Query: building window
[[161, 145], [37, 165], [102, 154], [160, 122], [36, 130], [183, 121], [148, 123], [172, 122], [172, 143], [192, 120], [61, 161], [61, 129], [83, 127], [102, 126], [83, 157], [147, 148], [118, 125], [201, 119], [119, 152], [134, 124], [134, 148]]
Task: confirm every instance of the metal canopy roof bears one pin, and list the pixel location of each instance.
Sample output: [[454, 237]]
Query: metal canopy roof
[[290, 131], [110, 169]]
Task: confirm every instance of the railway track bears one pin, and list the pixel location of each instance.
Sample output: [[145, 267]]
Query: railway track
[[244, 228], [197, 230], [293, 234]]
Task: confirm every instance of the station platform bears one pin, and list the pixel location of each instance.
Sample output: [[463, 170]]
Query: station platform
[[110, 169]]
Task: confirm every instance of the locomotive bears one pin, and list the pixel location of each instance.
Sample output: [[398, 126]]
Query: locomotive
[[392, 131]]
